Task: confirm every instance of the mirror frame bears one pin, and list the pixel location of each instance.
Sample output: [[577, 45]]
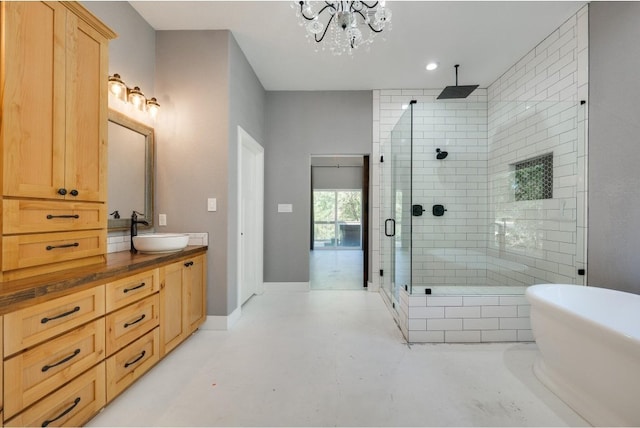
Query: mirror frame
[[148, 132]]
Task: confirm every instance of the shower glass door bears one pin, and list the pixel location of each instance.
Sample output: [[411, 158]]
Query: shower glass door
[[397, 208]]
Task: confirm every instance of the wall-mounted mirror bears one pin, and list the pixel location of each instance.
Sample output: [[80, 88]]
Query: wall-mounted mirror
[[131, 172]]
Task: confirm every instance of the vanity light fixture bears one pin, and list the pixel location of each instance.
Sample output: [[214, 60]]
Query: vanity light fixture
[[153, 107], [133, 96]]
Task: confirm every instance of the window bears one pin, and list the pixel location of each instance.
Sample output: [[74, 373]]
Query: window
[[337, 218]]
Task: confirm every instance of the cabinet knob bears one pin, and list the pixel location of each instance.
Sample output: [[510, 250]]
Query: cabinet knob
[[62, 191], [187, 264], [74, 192]]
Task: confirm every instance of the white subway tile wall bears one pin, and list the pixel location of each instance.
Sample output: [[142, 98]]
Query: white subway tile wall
[[485, 237], [473, 319]]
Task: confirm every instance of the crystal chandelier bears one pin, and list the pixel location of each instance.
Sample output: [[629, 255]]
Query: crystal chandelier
[[346, 25]]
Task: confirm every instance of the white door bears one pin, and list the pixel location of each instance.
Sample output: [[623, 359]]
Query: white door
[[250, 216]]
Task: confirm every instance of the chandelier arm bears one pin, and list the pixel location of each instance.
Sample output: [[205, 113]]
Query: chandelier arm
[[364, 18], [370, 6], [374, 30], [326, 28], [313, 17]]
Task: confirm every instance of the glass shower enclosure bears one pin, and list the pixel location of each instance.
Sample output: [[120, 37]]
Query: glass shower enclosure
[[475, 202]]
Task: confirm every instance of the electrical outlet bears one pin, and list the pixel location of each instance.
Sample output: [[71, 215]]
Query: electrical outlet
[[212, 204], [162, 220]]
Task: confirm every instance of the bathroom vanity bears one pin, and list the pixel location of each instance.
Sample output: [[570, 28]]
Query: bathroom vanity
[[74, 340], [77, 325]]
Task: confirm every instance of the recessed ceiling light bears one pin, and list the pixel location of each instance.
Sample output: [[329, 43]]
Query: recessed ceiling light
[[432, 66]]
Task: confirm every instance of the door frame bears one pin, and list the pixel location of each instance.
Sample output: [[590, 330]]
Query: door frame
[[247, 141], [365, 201]]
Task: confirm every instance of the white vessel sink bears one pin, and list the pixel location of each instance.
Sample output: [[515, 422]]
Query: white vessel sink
[[160, 242]]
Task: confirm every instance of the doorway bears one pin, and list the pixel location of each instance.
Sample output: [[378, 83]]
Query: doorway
[[339, 222], [250, 216]]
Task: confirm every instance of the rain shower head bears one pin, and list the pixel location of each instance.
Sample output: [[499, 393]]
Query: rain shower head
[[452, 92], [441, 154]]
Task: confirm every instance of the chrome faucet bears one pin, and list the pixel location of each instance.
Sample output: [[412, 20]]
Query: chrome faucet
[[134, 227]]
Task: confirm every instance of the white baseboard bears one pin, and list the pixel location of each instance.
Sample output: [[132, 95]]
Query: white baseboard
[[216, 322], [286, 286], [373, 287]]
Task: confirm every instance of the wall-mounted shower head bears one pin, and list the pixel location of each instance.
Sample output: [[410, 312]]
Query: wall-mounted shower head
[[441, 154]]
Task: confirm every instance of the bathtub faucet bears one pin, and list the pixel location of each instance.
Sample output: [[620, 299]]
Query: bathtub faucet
[[134, 228]]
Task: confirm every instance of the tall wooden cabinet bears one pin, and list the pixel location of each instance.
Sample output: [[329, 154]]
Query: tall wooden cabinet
[[53, 134]]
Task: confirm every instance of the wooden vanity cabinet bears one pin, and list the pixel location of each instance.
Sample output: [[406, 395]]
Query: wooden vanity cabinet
[[65, 358], [1, 370], [182, 301], [53, 136], [54, 105]]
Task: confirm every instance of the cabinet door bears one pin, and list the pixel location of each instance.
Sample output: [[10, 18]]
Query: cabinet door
[[33, 101], [194, 275], [86, 118], [172, 307]]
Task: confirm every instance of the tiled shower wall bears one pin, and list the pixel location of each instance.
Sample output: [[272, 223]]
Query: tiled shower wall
[[449, 249], [534, 108]]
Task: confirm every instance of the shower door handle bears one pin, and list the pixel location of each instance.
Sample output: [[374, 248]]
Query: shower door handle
[[388, 222]]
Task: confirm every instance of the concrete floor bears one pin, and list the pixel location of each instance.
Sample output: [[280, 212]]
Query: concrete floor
[[335, 358], [336, 270]]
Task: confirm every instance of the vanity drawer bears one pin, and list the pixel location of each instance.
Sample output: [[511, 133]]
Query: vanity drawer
[[127, 290], [72, 405], [132, 362], [34, 373], [129, 323], [33, 325], [21, 251], [27, 216]]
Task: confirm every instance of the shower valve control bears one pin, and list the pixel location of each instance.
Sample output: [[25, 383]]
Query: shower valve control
[[417, 210], [438, 210]]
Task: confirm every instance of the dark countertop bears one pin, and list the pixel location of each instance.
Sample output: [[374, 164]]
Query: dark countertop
[[24, 292]]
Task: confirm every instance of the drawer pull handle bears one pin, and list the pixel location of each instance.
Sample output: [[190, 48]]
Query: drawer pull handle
[[126, 290], [53, 247], [72, 311], [73, 406], [64, 360], [50, 216], [129, 324], [187, 264], [138, 358]]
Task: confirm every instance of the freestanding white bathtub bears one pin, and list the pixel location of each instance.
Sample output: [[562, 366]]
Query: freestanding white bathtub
[[589, 340]]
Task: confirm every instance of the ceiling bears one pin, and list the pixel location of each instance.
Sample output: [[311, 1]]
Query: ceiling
[[485, 38]]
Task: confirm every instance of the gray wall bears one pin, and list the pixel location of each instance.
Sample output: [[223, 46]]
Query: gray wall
[[132, 54], [298, 125], [247, 99], [192, 86], [614, 146]]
